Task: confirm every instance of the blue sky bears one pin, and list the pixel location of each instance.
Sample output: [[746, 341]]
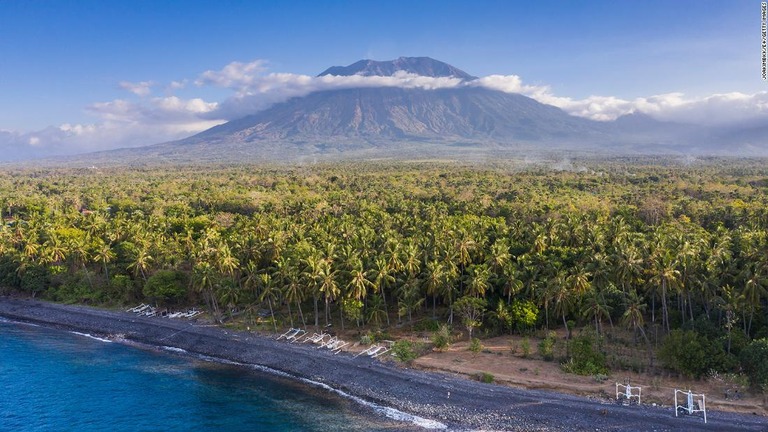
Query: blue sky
[[63, 62]]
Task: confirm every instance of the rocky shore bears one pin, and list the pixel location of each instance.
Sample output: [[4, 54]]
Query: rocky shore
[[457, 403]]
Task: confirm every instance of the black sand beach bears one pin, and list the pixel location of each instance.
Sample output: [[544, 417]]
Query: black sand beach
[[458, 403]]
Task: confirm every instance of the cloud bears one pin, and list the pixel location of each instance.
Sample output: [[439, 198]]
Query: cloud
[[158, 110], [717, 109], [267, 90], [234, 75], [142, 88], [119, 124], [177, 85]]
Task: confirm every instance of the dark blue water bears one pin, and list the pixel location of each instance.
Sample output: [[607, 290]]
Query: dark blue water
[[54, 380]]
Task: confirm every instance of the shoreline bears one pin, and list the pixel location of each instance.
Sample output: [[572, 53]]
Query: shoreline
[[458, 403]]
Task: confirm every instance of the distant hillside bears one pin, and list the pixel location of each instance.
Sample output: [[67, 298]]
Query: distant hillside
[[458, 122]]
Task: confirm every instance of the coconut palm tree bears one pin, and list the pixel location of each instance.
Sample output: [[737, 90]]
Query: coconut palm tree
[[382, 277]]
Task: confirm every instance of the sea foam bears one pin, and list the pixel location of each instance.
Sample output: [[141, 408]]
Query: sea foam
[[92, 337], [388, 412]]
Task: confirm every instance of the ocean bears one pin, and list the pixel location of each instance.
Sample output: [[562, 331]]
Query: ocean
[[52, 380]]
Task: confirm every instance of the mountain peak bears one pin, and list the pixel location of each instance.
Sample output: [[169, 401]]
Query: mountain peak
[[423, 66]]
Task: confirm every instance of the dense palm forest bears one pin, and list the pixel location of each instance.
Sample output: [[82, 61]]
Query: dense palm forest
[[668, 252]]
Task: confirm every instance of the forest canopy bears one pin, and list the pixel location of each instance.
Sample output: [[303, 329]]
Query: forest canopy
[[651, 247]]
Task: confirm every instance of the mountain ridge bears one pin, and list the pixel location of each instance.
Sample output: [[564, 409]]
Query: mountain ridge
[[423, 66], [460, 121]]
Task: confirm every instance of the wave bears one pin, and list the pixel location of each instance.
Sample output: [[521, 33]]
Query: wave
[[388, 412], [92, 337], [174, 349], [9, 321]]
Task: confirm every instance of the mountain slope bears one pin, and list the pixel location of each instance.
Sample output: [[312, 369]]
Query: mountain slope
[[373, 114], [423, 66], [414, 122]]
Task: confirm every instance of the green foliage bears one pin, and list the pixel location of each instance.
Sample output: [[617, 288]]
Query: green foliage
[[486, 377], [379, 336], [404, 351], [754, 361], [123, 288], [585, 357], [501, 316], [525, 347], [558, 245], [35, 279], [366, 339], [547, 346], [524, 314], [9, 277], [471, 310], [442, 337], [693, 354], [475, 345], [353, 309], [166, 287], [76, 288], [427, 325]]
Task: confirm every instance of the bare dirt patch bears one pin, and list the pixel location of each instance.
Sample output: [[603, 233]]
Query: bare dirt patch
[[509, 367]]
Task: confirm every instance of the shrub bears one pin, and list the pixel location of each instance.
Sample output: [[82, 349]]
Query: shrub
[[427, 325], [166, 286], [525, 346], [754, 361], [353, 309], [35, 279], [75, 288], [486, 377], [442, 337], [547, 347], [366, 340], [475, 345], [524, 314], [404, 351], [9, 277], [585, 359], [694, 355]]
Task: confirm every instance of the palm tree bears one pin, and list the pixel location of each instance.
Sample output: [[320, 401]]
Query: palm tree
[[328, 287], [376, 310], [478, 280], [435, 278], [204, 275], [382, 279], [755, 283], [596, 308], [633, 318], [359, 282], [563, 297], [55, 248], [499, 256], [312, 275], [627, 265], [105, 255], [293, 291], [664, 272], [502, 316], [409, 297], [228, 294], [269, 292], [141, 261], [512, 282]]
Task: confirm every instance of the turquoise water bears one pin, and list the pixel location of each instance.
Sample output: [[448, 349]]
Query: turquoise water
[[59, 381]]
